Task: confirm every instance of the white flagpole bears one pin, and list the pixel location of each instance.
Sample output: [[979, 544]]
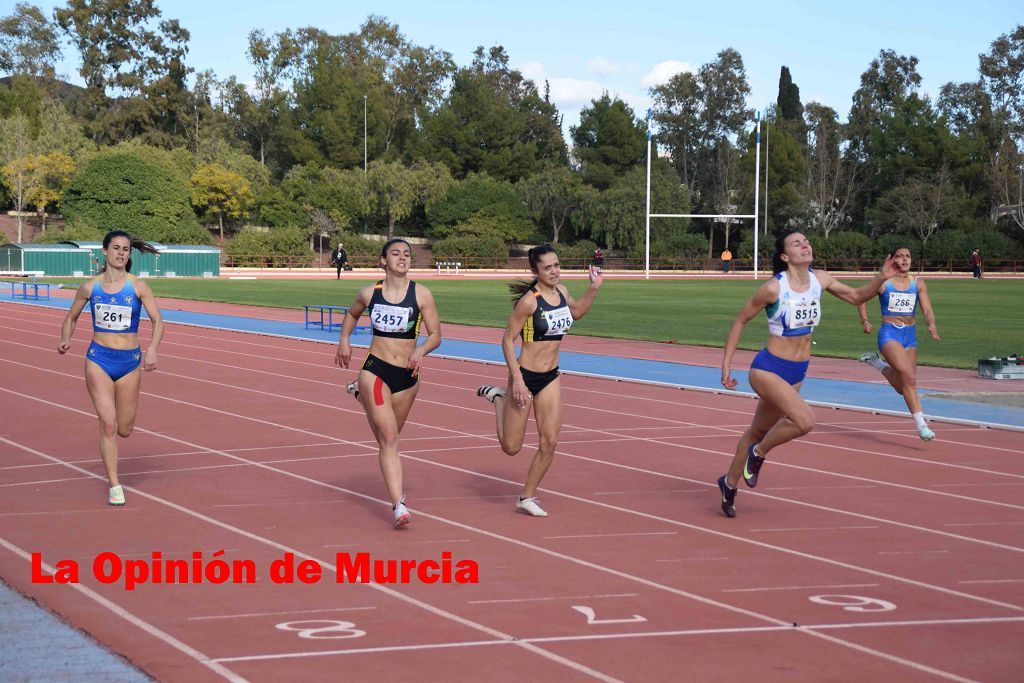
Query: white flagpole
[[757, 187], [647, 212]]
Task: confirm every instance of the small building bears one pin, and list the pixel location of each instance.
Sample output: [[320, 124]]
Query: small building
[[49, 259], [171, 260]]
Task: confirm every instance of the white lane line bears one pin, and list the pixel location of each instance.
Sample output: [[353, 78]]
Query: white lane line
[[271, 614], [694, 559], [647, 492], [993, 581], [634, 533], [983, 524], [142, 624], [43, 481], [799, 588], [566, 597], [816, 528], [913, 552]]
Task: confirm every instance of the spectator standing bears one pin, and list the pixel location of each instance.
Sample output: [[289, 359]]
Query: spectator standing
[[340, 258], [598, 257], [726, 260], [976, 263]]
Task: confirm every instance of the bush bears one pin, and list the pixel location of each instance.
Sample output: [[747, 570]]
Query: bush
[[124, 192], [842, 246], [944, 246], [79, 233], [280, 246], [993, 245], [675, 245], [481, 196], [471, 246], [765, 247], [887, 244], [578, 255]]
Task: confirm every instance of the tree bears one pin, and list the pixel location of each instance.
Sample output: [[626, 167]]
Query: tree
[[47, 175], [394, 189], [788, 103], [695, 112], [608, 142], [554, 195], [28, 42], [616, 217], [493, 121], [1001, 76], [222, 192], [918, 206], [484, 197], [124, 54], [833, 179], [118, 191], [15, 145]]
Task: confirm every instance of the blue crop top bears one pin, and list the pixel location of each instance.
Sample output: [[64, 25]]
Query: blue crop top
[[898, 302], [116, 313]]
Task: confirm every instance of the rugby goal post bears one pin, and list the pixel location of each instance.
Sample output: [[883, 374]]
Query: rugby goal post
[[724, 216]]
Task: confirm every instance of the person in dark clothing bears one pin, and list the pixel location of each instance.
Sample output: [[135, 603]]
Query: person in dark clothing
[[598, 257], [340, 259], [976, 263]]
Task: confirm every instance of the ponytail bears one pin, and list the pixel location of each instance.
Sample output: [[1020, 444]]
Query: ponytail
[[138, 244], [778, 265], [520, 287]]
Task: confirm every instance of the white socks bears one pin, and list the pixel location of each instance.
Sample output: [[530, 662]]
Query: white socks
[[878, 364], [919, 420]]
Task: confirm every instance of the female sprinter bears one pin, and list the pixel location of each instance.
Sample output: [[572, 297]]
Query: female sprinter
[[792, 301], [388, 381], [897, 337], [112, 373], [543, 313]]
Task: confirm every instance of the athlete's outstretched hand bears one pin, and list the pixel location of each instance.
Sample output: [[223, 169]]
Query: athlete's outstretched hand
[[63, 347], [149, 360], [727, 381], [596, 277], [866, 326], [932, 330], [889, 268]]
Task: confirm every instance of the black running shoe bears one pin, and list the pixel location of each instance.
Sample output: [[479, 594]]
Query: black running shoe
[[490, 393], [728, 497], [752, 467]]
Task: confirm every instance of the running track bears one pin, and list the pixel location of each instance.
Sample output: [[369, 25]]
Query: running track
[[863, 554]]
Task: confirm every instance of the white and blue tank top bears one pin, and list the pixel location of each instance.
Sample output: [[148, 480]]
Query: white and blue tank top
[[116, 313], [794, 314]]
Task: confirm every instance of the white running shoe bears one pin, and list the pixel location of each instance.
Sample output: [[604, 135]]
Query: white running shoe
[[490, 393], [869, 357], [116, 496], [402, 516], [353, 388], [529, 506], [925, 433]]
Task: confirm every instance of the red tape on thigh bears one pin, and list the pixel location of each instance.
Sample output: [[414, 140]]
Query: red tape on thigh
[[378, 391]]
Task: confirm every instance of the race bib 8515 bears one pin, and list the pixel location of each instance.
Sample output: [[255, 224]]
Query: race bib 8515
[[803, 313]]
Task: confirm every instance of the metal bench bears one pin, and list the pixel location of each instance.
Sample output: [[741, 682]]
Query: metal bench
[[323, 317]]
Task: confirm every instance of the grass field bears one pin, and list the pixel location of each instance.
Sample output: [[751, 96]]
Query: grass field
[[976, 318]]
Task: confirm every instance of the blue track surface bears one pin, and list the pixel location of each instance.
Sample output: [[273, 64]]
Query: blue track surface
[[860, 395]]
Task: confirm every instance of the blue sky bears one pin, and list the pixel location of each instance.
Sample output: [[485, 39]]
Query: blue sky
[[584, 49]]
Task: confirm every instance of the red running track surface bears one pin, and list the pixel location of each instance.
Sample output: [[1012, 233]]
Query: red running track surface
[[863, 553]]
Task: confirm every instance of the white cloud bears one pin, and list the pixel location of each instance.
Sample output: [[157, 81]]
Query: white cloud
[[532, 70], [602, 68], [568, 92], [663, 71]]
